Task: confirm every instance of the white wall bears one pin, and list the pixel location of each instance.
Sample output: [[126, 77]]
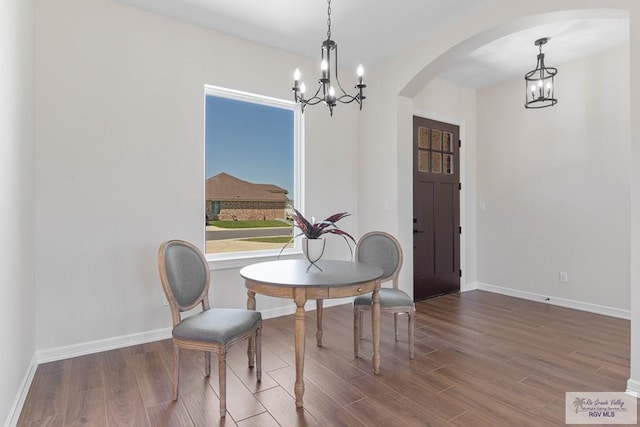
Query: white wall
[[120, 165], [556, 184], [17, 145]]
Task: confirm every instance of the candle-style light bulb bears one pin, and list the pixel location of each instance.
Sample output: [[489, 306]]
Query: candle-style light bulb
[[360, 73], [303, 88], [324, 65], [332, 92], [296, 74], [533, 91], [548, 88]]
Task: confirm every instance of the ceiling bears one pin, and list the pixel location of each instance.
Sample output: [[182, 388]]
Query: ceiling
[[369, 31]]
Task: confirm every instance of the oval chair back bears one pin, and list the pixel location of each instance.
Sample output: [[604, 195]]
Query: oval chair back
[[185, 277], [383, 250]]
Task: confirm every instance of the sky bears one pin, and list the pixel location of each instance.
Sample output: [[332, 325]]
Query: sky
[[250, 141]]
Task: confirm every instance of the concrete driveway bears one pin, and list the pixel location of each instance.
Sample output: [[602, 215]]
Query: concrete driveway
[[221, 240], [217, 233]]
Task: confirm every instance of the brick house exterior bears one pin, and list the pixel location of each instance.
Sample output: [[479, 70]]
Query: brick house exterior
[[229, 198]]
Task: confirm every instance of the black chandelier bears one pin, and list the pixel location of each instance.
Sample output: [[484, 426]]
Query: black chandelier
[[539, 84], [326, 92]]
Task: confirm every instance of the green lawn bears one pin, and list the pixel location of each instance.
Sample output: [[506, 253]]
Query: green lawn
[[250, 224], [277, 239]]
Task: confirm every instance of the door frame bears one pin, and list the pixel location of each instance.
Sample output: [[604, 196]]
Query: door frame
[[463, 181]]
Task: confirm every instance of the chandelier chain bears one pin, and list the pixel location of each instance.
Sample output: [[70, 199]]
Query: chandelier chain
[[329, 19]]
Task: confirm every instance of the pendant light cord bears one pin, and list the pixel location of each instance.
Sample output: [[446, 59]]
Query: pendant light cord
[[329, 19]]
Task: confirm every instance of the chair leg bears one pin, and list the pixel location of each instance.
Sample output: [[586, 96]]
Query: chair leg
[[395, 326], [176, 370], [251, 350], [411, 329], [356, 331], [360, 322], [259, 354], [207, 363], [222, 375]]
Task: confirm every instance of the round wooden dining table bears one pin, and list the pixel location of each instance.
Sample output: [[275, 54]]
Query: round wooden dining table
[[297, 280]]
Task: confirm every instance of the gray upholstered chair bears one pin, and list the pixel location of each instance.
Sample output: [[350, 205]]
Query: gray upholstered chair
[[383, 250], [185, 277]]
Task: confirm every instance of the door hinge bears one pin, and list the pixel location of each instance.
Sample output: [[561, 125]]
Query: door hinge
[[460, 272], [460, 230], [459, 186], [459, 143]]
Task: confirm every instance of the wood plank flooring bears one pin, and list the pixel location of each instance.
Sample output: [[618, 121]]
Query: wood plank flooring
[[481, 359]]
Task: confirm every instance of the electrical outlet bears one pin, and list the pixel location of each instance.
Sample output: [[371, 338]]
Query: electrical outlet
[[564, 277]]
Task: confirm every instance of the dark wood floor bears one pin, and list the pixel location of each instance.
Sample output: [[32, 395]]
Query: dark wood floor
[[481, 359]]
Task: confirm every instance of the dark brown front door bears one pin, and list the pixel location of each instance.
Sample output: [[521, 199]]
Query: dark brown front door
[[436, 208]]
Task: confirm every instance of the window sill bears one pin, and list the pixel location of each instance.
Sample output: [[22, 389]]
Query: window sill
[[242, 259]]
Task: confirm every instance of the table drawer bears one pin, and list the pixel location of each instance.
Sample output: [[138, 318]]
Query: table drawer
[[351, 290]]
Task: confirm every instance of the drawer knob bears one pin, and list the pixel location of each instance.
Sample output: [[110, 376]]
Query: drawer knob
[[359, 289]]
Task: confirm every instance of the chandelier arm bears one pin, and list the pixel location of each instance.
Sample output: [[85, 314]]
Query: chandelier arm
[[336, 70], [315, 95], [343, 91], [313, 101], [347, 99]]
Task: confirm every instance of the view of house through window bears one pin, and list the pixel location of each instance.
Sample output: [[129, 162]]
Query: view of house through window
[[250, 171]]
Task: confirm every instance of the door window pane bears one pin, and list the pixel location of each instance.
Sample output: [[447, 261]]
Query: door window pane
[[446, 142], [436, 162], [423, 161], [436, 139], [448, 164], [423, 137]]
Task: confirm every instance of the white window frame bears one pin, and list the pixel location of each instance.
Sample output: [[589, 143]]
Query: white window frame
[[223, 261]]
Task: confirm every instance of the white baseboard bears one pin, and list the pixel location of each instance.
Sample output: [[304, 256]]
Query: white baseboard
[[89, 347], [59, 353], [21, 396], [466, 287], [562, 302], [633, 387]]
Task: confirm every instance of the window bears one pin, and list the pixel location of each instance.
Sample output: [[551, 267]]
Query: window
[[215, 208], [435, 145], [253, 148]]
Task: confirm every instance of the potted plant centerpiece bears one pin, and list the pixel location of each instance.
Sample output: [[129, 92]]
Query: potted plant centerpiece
[[313, 233]]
